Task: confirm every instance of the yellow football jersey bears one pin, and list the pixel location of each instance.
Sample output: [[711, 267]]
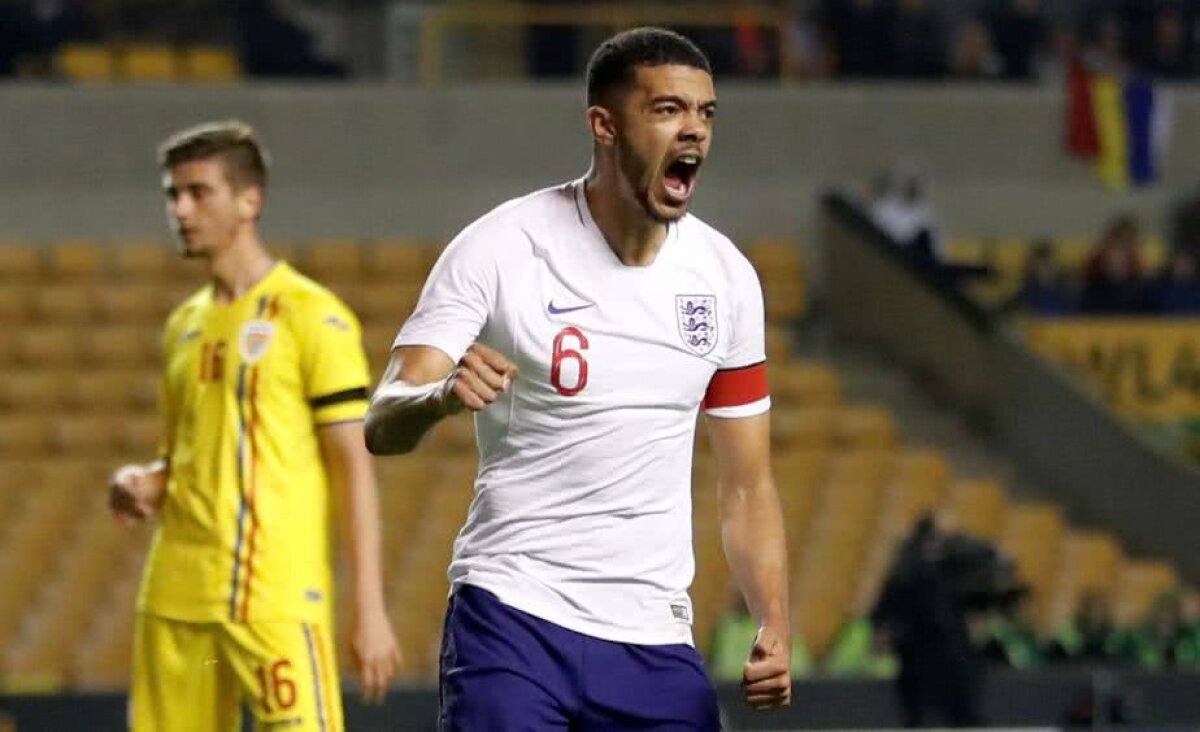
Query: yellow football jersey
[[244, 532]]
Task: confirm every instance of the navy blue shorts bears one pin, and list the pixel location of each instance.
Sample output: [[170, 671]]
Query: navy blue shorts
[[503, 670]]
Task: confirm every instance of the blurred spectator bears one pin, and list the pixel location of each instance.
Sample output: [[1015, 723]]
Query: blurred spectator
[[974, 57], [920, 41], [1009, 638], [1088, 637], [1045, 289], [923, 610], [901, 209], [275, 45], [1113, 280], [30, 33], [1185, 224], [1170, 55], [551, 50], [1178, 291], [733, 637], [862, 36], [1016, 31]]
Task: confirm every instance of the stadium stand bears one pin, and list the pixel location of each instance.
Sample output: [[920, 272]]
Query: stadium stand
[[849, 485]]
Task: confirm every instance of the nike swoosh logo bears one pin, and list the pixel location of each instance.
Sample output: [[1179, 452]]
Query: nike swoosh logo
[[559, 311]]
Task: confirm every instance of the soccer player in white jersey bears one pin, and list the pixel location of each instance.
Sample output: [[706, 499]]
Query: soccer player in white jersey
[[585, 325]]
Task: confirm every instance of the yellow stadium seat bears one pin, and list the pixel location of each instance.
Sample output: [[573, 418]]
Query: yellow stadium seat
[[865, 426], [802, 427], [121, 346], [978, 507], [779, 346], [783, 300], [149, 63], [85, 62], [132, 303], [24, 435], [333, 260], [66, 304], [84, 436], [211, 64], [76, 260], [388, 304], [103, 391], [398, 262], [18, 262], [804, 384], [965, 250], [776, 260], [134, 260], [31, 391], [15, 303], [47, 347]]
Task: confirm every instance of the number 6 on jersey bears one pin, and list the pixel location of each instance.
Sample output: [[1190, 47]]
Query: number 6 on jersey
[[569, 354]]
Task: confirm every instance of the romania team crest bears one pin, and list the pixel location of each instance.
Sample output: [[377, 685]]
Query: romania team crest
[[255, 340], [697, 318]]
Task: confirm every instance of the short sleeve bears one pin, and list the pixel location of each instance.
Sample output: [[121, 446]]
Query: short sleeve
[[739, 387], [457, 298], [333, 364]]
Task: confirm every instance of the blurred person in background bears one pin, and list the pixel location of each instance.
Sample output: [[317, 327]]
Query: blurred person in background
[[1017, 30], [1170, 54], [974, 57], [936, 581], [1178, 289], [863, 42], [1045, 286], [274, 44], [1114, 277], [263, 396], [919, 39], [1088, 637], [901, 208], [734, 632]]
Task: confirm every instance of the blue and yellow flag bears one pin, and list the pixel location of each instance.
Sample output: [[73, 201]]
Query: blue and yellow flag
[[1132, 122]]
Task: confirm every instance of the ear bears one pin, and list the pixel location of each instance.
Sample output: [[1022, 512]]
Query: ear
[[249, 202], [602, 125]]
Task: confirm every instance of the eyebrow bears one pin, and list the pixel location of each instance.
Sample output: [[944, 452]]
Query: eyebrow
[[709, 104]]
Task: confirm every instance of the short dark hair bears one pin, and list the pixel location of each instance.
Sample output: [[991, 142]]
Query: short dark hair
[[234, 143], [615, 61]]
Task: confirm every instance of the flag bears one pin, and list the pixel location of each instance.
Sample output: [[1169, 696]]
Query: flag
[[1122, 125]]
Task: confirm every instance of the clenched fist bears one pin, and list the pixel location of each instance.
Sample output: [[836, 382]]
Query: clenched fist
[[481, 377]]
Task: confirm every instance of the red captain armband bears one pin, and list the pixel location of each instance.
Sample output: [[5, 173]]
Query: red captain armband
[[736, 387]]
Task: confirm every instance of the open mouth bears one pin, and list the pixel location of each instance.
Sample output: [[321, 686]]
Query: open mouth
[[680, 177]]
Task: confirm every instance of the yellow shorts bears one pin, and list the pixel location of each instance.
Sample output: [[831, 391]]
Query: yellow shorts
[[194, 677]]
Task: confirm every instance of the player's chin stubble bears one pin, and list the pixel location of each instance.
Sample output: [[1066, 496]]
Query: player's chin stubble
[[635, 170]]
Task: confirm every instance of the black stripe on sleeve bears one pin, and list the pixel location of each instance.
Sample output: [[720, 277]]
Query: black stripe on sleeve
[[346, 395]]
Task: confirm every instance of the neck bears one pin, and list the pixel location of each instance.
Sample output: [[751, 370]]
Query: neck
[[634, 237], [238, 268]]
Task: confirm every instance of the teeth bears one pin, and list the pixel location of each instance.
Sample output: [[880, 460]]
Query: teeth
[[690, 159]]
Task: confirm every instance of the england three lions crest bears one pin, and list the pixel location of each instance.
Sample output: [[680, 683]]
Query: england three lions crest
[[697, 318]]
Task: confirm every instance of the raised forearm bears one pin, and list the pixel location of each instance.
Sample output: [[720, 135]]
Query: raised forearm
[[753, 534], [401, 414]]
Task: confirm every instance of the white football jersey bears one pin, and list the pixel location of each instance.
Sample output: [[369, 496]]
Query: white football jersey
[[582, 506]]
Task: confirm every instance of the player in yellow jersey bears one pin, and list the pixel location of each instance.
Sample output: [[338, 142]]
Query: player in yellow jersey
[[264, 392]]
